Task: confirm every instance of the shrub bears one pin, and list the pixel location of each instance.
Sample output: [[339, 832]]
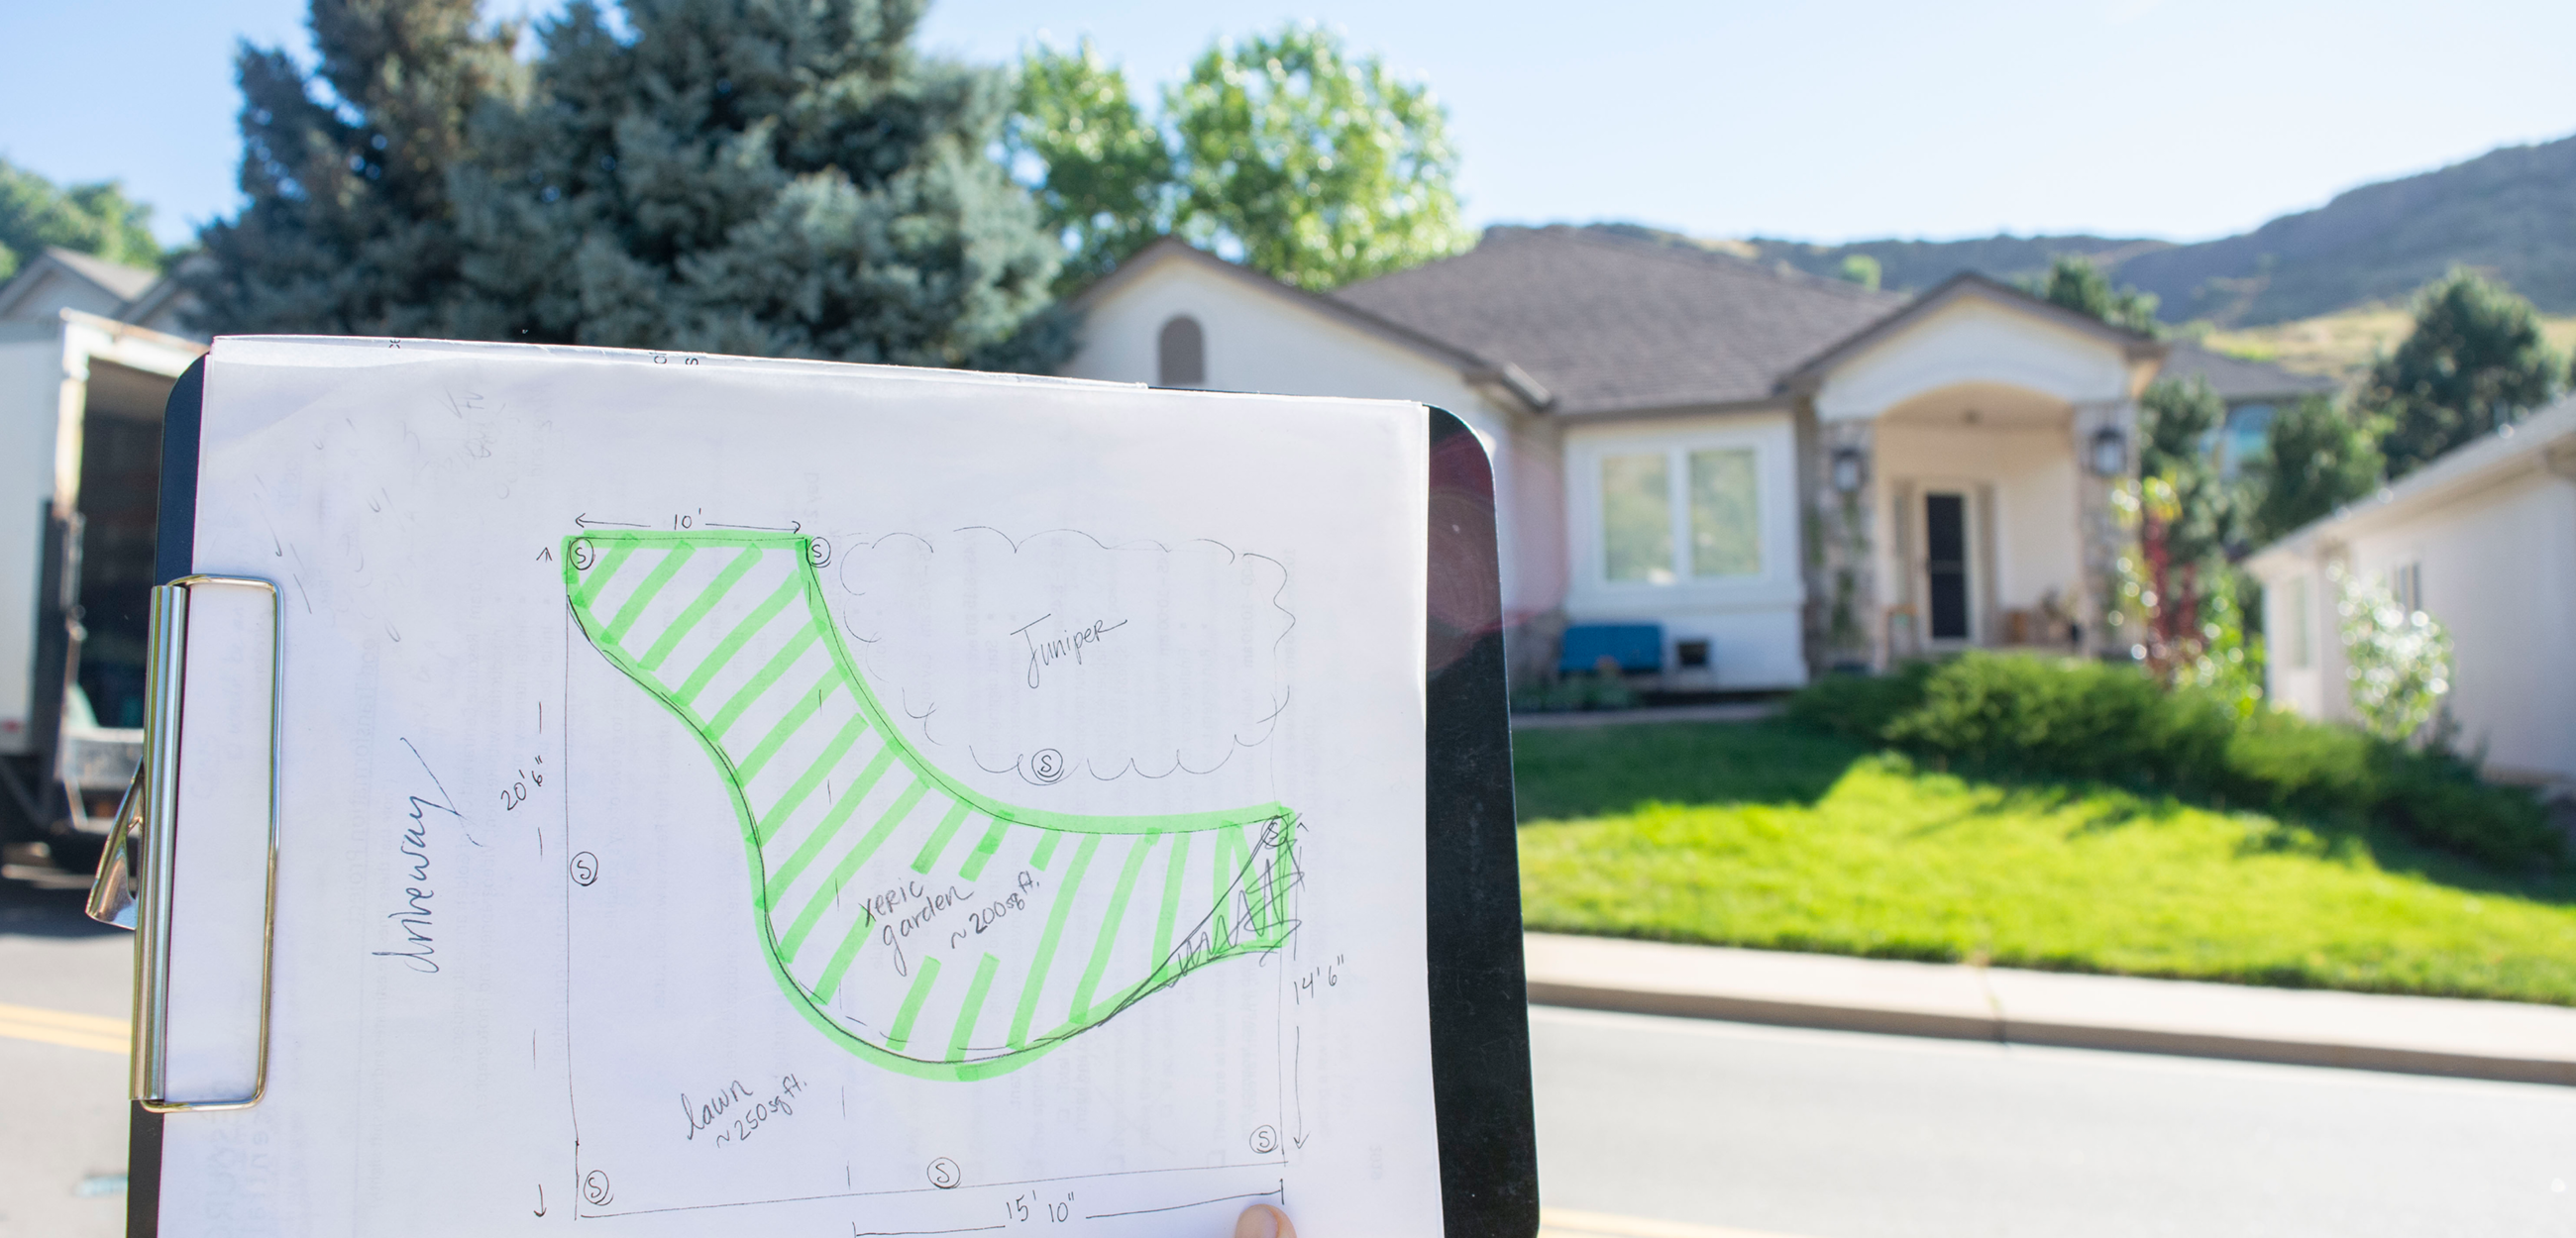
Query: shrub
[[1862, 707], [2111, 723]]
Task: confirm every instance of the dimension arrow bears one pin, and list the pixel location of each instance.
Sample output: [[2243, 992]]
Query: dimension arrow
[[586, 522]]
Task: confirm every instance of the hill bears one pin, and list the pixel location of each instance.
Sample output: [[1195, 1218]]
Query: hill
[[2341, 345], [2507, 212]]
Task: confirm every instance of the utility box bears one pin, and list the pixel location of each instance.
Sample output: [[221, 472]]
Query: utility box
[[81, 399]]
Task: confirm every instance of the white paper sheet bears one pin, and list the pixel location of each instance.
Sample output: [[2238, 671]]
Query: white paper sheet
[[725, 796]]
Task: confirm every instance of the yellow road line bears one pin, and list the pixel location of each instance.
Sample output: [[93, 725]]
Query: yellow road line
[[62, 1027], [1570, 1223]]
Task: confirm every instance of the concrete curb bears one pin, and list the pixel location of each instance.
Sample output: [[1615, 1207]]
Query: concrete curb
[[2507, 1041]]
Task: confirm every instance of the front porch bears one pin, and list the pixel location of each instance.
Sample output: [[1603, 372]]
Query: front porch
[[1962, 473]]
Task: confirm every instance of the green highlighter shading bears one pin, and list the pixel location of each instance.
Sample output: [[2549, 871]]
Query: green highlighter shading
[[730, 633]]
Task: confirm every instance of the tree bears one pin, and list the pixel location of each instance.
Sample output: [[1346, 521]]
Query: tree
[[94, 218], [771, 177], [2187, 516], [1108, 184], [2074, 282], [350, 228], [2474, 362], [1861, 269], [2316, 458], [1316, 167]]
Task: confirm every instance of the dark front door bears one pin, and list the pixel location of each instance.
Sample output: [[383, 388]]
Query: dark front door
[[1945, 545]]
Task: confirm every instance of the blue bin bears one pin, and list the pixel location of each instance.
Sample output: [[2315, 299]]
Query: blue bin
[[1638, 648]]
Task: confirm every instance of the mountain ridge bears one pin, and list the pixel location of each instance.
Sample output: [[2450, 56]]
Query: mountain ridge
[[2510, 212]]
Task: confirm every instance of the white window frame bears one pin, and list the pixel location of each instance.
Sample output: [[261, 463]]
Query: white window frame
[[1771, 442]]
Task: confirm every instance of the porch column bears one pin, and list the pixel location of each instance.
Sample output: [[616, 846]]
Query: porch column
[[1847, 623], [2103, 540]]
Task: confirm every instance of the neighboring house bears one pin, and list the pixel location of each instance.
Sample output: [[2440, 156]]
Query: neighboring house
[[1784, 473], [2483, 540], [2253, 392], [62, 279]]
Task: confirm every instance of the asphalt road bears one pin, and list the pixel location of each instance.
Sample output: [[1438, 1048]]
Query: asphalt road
[[62, 1106], [1777, 1131], [1846, 1135]]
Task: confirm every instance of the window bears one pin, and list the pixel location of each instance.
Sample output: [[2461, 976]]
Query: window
[[1726, 530], [2407, 582], [1675, 515], [1637, 518], [1180, 354]]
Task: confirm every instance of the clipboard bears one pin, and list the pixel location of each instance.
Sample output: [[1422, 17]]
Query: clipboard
[[1475, 986]]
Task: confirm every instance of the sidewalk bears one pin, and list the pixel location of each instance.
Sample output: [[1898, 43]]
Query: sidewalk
[[1726, 711], [2418, 1035]]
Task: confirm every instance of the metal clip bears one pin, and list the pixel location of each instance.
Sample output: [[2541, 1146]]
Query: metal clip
[[135, 884], [112, 897]]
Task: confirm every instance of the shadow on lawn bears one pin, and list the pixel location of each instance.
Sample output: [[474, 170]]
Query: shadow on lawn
[[1600, 771], [1578, 773]]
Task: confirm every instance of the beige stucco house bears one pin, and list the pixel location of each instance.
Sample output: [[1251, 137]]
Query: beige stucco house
[[2483, 540], [1784, 474]]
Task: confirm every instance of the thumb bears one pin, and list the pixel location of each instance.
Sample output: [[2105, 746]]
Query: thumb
[[1263, 1221]]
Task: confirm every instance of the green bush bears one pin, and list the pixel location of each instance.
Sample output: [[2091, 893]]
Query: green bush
[[2109, 723]]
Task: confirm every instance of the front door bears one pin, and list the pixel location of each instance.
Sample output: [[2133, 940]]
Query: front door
[[1945, 564]]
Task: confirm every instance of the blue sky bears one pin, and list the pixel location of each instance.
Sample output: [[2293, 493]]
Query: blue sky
[[2174, 118]]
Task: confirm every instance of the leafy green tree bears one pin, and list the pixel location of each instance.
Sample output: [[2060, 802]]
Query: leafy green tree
[[2475, 361], [95, 218], [1109, 185], [2074, 282], [771, 177], [2186, 517], [2177, 422], [350, 228], [1861, 269], [1317, 167], [2316, 458]]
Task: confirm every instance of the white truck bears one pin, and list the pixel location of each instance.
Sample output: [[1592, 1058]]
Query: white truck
[[81, 400]]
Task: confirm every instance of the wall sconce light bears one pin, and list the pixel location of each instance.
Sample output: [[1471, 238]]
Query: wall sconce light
[[2110, 452], [1850, 469]]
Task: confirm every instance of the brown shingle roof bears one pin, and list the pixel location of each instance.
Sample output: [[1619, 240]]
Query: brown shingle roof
[[2237, 380], [1610, 323]]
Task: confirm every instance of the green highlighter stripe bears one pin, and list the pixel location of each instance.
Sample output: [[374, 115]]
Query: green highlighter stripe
[[598, 576], [939, 838], [1136, 852], [1066, 889], [984, 850], [901, 1034], [723, 654], [697, 609], [785, 729], [803, 788], [827, 829], [646, 592], [973, 1009], [741, 644]]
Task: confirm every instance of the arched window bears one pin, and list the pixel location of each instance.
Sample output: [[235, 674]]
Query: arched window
[[1180, 354]]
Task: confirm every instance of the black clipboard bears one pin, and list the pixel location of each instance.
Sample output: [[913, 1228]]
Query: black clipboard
[[1478, 989]]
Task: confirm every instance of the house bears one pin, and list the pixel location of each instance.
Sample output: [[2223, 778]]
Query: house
[[63, 279], [2483, 540], [1781, 474], [2252, 392]]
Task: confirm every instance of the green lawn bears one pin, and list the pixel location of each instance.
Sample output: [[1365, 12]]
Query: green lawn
[[1770, 835]]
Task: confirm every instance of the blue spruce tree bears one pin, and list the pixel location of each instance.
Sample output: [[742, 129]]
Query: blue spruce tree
[[771, 177]]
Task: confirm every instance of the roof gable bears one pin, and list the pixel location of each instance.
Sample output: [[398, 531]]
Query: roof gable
[[1613, 323], [61, 279], [1476, 370]]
